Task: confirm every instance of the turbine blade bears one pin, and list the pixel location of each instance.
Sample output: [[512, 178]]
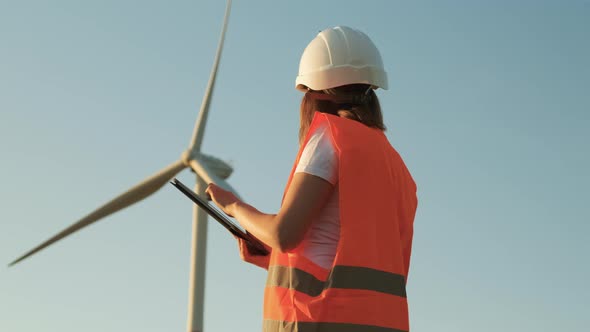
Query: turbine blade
[[200, 167], [199, 130], [133, 195]]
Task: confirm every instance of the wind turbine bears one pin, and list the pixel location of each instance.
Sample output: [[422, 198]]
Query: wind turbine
[[208, 169]]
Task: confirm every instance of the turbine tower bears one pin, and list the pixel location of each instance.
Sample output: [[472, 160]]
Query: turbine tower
[[208, 169]]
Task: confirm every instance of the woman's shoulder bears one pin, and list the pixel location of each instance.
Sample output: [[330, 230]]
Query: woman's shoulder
[[319, 156]]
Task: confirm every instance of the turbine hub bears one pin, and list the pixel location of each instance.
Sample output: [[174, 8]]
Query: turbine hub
[[186, 158]]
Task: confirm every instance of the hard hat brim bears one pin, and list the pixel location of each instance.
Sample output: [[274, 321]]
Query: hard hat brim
[[339, 76]]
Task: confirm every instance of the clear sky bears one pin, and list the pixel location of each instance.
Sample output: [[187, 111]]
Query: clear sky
[[489, 104]]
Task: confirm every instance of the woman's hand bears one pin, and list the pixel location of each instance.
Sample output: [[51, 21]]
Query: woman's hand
[[224, 199]]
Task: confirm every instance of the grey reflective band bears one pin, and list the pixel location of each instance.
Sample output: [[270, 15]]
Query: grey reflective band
[[347, 277], [279, 326]]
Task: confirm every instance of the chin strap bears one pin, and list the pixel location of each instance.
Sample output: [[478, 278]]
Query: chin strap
[[342, 99]]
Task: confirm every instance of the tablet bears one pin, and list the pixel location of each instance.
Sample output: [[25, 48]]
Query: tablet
[[256, 247]]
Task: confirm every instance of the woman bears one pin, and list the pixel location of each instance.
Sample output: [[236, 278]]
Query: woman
[[340, 244]]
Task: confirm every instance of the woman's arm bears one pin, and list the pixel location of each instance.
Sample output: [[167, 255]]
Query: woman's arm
[[306, 196]]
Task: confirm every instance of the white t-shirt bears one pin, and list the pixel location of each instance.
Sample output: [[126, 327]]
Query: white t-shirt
[[319, 158]]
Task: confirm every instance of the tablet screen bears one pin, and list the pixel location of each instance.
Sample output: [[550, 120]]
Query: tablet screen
[[221, 217]]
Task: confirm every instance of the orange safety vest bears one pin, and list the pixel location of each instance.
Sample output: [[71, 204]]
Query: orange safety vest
[[365, 290]]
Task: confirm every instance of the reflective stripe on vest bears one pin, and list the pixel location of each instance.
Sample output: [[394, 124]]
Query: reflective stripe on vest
[[346, 277], [273, 325], [365, 289]]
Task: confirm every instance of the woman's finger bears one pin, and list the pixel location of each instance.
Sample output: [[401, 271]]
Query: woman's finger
[[211, 191], [208, 192]]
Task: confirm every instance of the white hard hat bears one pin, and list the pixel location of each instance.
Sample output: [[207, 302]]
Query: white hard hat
[[340, 56]]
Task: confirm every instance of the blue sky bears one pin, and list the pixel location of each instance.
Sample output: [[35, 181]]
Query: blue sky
[[488, 104]]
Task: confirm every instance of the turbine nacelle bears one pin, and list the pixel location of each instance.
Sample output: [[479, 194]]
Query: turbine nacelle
[[217, 166]]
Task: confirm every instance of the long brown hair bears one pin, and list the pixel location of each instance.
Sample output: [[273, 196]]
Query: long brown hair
[[356, 101]]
